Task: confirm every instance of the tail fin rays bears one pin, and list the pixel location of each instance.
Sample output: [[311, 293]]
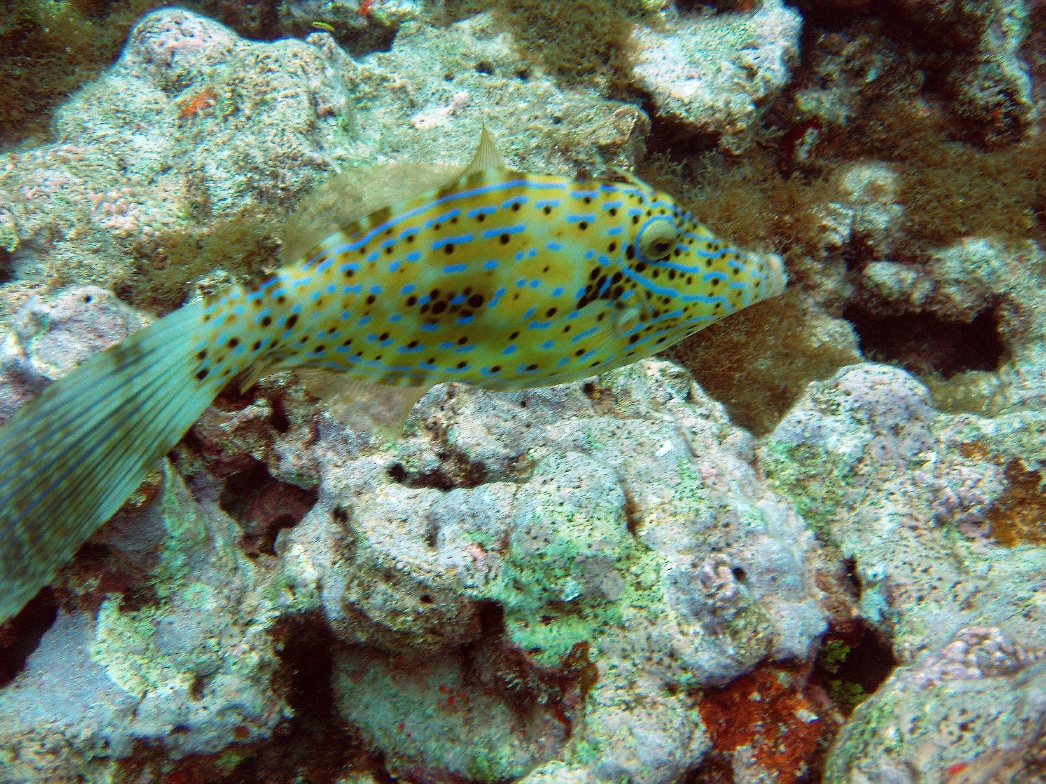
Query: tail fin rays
[[69, 459]]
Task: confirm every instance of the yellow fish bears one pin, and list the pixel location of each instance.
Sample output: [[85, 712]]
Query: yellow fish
[[484, 275]]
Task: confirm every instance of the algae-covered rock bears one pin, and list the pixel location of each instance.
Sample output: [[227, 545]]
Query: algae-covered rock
[[695, 67], [912, 496], [974, 711], [177, 655], [606, 545]]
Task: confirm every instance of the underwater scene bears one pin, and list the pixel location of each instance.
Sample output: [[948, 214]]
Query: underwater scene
[[522, 392]]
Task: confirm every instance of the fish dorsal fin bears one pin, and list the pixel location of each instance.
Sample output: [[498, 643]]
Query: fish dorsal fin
[[373, 408], [486, 157], [350, 196], [628, 176]]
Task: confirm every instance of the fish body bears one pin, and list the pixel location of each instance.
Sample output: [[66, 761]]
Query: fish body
[[502, 280], [496, 278]]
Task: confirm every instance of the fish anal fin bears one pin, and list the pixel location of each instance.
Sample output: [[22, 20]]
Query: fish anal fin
[[373, 408]]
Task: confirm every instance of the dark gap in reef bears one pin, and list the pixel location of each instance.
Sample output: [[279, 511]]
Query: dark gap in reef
[[258, 20], [853, 662], [526, 687], [715, 768], [674, 138], [923, 343], [21, 635], [313, 745], [7, 267], [262, 506], [455, 470]]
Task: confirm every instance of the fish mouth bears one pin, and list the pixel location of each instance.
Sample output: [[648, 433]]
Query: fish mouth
[[776, 277]]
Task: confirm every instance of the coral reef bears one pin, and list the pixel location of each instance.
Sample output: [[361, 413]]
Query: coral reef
[[805, 565], [689, 66], [973, 711], [588, 554]]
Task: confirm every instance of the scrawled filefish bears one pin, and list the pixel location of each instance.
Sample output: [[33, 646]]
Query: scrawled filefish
[[489, 276]]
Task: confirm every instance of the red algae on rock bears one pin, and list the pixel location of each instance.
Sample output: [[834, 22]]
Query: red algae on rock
[[765, 720]]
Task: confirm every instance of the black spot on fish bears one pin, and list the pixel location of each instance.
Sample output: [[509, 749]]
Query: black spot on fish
[[611, 247], [612, 211], [462, 365], [547, 210], [532, 366], [582, 225], [513, 336], [504, 239], [410, 238], [550, 312], [515, 206], [630, 253], [291, 321], [319, 349], [439, 307], [495, 369], [480, 218], [633, 338], [370, 299], [266, 321], [202, 374], [412, 344], [448, 248], [256, 345], [202, 354], [234, 342], [383, 336], [412, 301], [475, 300], [463, 340]]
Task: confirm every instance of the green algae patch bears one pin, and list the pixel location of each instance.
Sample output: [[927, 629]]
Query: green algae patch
[[569, 561], [813, 479]]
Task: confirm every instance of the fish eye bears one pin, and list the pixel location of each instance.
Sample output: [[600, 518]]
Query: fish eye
[[657, 239]]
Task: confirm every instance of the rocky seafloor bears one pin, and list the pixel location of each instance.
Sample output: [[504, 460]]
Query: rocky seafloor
[[806, 545]]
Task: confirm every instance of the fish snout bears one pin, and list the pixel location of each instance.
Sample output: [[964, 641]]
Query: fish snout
[[776, 278]]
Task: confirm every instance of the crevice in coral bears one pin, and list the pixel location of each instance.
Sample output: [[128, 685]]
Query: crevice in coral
[[926, 344], [313, 745], [7, 266], [262, 506], [455, 470], [525, 686], [853, 662], [677, 140], [21, 635]]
